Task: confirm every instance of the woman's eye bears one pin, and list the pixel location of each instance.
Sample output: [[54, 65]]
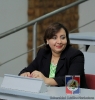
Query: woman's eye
[[54, 37], [62, 37]]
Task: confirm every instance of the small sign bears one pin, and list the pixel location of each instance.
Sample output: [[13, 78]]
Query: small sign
[[72, 84], [20, 83]]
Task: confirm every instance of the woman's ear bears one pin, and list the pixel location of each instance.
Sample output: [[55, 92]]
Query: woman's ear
[[47, 42]]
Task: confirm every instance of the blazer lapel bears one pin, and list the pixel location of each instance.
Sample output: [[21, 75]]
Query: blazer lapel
[[61, 61], [46, 63], [60, 64]]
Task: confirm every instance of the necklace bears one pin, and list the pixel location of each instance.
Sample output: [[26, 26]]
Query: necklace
[[54, 61], [53, 64]]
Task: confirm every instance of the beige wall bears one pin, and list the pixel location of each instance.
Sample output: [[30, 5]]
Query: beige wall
[[14, 13]]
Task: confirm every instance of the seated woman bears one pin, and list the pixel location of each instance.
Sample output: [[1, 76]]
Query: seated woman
[[56, 59]]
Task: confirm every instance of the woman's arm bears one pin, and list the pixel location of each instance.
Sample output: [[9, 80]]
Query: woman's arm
[[29, 69], [33, 66], [74, 65], [51, 81], [38, 74]]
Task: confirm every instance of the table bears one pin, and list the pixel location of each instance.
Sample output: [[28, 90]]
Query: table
[[86, 38], [54, 93]]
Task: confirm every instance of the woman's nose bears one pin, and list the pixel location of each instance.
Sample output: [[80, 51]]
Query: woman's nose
[[58, 40]]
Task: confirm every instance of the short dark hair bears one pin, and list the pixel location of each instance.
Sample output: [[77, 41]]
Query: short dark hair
[[53, 29]]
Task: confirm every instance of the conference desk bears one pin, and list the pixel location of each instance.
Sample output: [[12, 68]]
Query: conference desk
[[86, 38], [58, 93], [55, 93]]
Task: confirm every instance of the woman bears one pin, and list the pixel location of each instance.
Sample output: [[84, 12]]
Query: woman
[[56, 59]]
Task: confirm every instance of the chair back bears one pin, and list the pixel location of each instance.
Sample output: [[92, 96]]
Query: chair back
[[90, 80]]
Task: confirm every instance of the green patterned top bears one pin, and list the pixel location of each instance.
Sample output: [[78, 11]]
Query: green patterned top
[[52, 70]]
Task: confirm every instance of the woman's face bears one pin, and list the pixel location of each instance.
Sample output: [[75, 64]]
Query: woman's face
[[58, 42]]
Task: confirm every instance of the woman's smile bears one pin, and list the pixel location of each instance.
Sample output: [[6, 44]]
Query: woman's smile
[[59, 47]]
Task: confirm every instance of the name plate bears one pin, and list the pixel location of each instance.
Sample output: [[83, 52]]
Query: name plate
[[14, 82]]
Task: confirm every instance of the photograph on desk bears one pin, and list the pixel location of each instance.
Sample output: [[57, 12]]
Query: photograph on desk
[[72, 84]]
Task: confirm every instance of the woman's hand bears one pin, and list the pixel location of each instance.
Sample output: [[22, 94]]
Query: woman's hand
[[26, 74], [38, 74]]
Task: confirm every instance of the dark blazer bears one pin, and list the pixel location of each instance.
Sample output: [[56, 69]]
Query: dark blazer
[[71, 62]]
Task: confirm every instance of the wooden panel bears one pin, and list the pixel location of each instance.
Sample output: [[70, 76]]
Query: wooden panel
[[37, 8]]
